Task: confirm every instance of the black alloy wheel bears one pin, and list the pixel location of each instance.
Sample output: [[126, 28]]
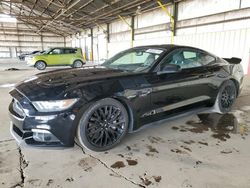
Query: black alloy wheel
[[227, 96], [103, 125]]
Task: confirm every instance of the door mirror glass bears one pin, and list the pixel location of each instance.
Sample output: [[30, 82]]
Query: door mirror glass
[[170, 68]]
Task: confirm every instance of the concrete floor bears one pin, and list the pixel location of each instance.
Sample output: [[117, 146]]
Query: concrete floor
[[178, 153]]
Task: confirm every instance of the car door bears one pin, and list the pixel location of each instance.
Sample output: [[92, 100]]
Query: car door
[[69, 55], [187, 88], [55, 57]]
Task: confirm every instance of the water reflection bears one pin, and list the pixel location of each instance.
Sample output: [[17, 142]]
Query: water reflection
[[220, 124]]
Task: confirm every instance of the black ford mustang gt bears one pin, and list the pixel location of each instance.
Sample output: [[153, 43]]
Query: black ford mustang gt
[[99, 105]]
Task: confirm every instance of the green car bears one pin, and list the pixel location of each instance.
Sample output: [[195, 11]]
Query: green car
[[57, 57]]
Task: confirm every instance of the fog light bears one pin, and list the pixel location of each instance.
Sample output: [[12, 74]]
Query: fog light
[[43, 126], [40, 135], [45, 118]]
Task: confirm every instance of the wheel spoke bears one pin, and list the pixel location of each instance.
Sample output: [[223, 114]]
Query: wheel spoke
[[109, 113], [227, 97], [102, 114], [91, 126], [106, 138], [95, 131], [100, 136], [105, 126]]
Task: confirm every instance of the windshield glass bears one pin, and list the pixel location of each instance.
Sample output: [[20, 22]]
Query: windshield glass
[[135, 60], [46, 51]]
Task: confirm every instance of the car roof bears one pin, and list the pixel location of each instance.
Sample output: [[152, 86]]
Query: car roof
[[170, 47], [64, 48], [167, 46]]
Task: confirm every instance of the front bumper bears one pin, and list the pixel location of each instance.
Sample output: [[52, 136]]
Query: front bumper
[[40, 129], [30, 62]]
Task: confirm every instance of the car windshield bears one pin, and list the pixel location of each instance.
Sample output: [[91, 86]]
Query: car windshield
[[46, 51], [135, 60]]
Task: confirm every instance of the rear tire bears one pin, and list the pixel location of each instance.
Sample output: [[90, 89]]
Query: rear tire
[[103, 125], [40, 65], [226, 97], [77, 64]]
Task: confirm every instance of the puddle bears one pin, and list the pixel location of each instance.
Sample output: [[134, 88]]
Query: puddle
[[157, 178], [87, 164], [50, 181], [226, 152], [149, 154], [128, 148], [152, 149], [146, 181], [220, 124], [118, 164], [178, 151], [186, 148], [155, 140], [203, 143], [120, 155], [189, 142], [12, 69], [35, 182], [69, 179], [132, 162]]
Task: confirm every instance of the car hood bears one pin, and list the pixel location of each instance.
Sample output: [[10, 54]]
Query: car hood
[[53, 84]]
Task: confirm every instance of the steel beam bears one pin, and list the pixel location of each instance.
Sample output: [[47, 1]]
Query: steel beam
[[171, 19], [131, 27]]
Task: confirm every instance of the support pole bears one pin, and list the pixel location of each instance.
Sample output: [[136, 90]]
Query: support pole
[[92, 45], [171, 20], [64, 41], [175, 15], [131, 27], [42, 42], [108, 41]]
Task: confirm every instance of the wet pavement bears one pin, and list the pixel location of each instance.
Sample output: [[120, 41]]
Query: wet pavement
[[197, 150]]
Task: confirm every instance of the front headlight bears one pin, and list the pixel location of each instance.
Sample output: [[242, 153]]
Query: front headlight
[[52, 106]]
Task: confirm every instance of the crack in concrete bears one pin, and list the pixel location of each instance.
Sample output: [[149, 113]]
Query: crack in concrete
[[22, 165], [8, 140], [106, 166]]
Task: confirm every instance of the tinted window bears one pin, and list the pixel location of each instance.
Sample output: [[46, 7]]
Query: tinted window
[[206, 59], [56, 51], [70, 51], [188, 59]]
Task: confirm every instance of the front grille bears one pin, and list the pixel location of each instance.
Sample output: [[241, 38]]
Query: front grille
[[18, 109]]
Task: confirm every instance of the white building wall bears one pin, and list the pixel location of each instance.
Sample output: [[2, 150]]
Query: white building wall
[[218, 26], [197, 8], [16, 38]]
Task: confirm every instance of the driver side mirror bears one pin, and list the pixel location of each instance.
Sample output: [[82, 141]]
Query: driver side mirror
[[169, 68]]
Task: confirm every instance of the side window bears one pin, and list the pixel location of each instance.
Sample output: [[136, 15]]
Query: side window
[[206, 59], [56, 51], [188, 59], [70, 51]]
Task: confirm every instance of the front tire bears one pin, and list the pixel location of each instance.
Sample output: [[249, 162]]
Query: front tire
[[103, 125], [226, 97], [40, 65]]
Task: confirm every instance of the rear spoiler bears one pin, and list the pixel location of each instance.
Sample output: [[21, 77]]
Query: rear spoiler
[[233, 60]]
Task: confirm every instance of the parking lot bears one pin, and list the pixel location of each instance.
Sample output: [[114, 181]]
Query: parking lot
[[182, 152]]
